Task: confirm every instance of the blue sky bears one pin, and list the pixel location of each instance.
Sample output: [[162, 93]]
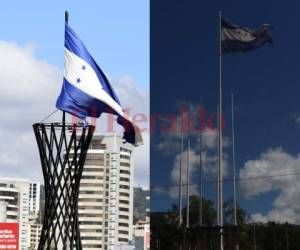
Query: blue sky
[[115, 32], [184, 62]]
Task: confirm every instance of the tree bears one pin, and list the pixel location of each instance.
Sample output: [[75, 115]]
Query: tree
[[228, 209]]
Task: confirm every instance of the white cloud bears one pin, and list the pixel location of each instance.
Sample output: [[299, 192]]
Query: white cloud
[[278, 215], [276, 161], [209, 161], [169, 145], [28, 92]]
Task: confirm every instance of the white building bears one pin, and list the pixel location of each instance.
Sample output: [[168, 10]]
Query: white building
[[34, 230], [14, 206], [106, 194], [34, 198], [142, 235]]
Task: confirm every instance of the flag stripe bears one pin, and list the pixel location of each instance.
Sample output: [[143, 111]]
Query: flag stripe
[[75, 45], [235, 45], [89, 83], [237, 34], [75, 101]]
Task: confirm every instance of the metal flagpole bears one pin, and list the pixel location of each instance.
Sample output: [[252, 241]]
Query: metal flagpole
[[218, 172], [201, 184], [64, 113], [234, 166], [254, 236], [188, 195], [188, 186], [180, 178], [220, 136]]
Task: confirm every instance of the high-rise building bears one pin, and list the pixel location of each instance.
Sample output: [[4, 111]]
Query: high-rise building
[[34, 226], [34, 198], [106, 194], [14, 205], [142, 235], [34, 230]]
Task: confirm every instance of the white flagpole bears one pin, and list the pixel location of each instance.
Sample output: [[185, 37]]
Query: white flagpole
[[218, 172], [201, 179], [180, 178], [234, 166], [188, 186], [220, 136]]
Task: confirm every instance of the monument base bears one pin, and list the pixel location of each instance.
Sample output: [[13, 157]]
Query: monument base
[[63, 149]]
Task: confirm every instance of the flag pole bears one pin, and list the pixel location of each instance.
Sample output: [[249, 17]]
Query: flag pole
[[66, 16], [187, 224], [220, 136], [200, 173], [64, 113], [218, 175], [180, 178], [188, 185], [234, 166]]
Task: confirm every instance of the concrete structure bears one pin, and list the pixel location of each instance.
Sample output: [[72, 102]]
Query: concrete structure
[[124, 247], [14, 198], [33, 233], [34, 227], [106, 194], [142, 235], [34, 198], [3, 210]]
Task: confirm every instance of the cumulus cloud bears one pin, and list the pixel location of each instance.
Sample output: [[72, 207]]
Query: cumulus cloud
[[28, 92], [274, 162], [193, 159], [170, 141], [278, 215], [209, 161]]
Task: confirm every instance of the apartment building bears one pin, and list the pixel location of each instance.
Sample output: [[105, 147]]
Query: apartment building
[[14, 205], [106, 194]]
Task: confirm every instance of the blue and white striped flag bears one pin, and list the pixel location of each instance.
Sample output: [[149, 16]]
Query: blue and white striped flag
[[86, 91], [241, 39]]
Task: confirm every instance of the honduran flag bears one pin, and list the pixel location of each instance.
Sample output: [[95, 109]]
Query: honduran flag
[[241, 39], [86, 92]]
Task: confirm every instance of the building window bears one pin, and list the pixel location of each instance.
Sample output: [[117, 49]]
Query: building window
[[123, 240], [123, 224], [124, 157], [125, 172], [126, 217], [124, 179], [124, 209], [124, 187]]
